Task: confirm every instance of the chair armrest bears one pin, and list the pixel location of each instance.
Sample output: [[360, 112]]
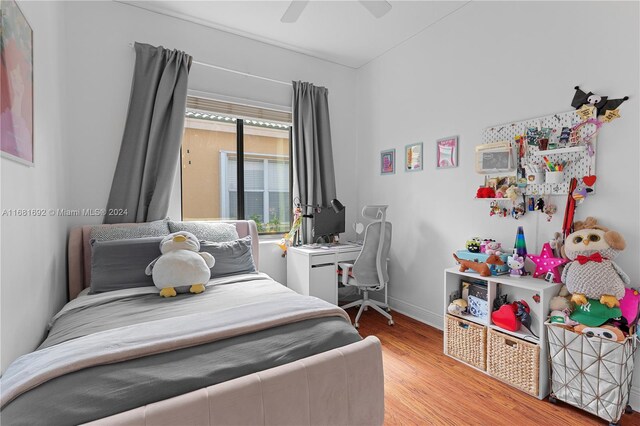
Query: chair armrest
[[346, 268]]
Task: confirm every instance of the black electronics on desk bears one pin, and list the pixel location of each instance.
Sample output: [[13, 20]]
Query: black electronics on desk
[[327, 222]]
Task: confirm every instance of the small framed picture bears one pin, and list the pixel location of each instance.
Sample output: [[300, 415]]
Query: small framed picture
[[413, 157], [447, 152], [388, 162]]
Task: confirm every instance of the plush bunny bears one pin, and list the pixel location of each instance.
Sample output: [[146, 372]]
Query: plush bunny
[[180, 265]]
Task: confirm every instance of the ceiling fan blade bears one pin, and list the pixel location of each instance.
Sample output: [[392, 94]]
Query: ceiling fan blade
[[377, 8], [294, 11]]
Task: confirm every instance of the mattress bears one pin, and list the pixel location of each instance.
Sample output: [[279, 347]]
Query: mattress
[[107, 388]]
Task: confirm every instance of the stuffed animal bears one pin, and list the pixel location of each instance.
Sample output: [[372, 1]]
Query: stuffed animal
[[502, 191], [483, 268], [556, 244], [493, 247], [473, 245], [180, 265], [601, 103], [512, 193], [592, 274], [562, 301], [457, 307], [607, 332], [516, 265]]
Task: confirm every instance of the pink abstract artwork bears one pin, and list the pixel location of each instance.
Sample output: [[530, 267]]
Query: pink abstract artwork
[[16, 85]]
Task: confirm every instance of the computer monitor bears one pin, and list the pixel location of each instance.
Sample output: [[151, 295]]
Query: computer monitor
[[328, 222]]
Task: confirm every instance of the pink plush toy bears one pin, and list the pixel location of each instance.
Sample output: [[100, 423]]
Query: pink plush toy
[[493, 248]]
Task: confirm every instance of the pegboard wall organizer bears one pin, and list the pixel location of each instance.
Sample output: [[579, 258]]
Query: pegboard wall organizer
[[580, 159]]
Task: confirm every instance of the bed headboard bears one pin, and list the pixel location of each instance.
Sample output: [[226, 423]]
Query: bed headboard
[[79, 251]]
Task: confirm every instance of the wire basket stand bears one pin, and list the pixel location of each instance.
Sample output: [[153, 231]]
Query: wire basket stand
[[591, 373]]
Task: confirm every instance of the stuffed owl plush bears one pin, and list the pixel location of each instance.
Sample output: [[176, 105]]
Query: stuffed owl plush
[[592, 274]]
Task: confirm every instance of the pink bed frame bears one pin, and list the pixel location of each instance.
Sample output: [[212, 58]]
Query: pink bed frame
[[343, 386]]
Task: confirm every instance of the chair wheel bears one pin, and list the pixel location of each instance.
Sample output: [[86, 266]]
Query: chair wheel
[[390, 322], [356, 325], [628, 409]]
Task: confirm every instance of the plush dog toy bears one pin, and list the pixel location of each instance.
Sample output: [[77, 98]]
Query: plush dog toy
[[180, 265], [480, 267], [593, 274]]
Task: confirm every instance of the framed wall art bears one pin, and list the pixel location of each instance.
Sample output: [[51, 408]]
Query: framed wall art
[[413, 157], [16, 85], [447, 152], [388, 162]]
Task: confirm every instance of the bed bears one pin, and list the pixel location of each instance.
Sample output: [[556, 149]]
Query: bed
[[246, 351]]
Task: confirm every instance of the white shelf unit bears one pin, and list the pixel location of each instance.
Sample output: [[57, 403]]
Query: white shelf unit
[[517, 289], [578, 148]]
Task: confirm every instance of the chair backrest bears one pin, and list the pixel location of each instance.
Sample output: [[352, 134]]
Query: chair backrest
[[370, 268]]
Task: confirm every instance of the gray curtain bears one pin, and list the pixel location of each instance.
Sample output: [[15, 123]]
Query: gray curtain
[[314, 178], [152, 136]]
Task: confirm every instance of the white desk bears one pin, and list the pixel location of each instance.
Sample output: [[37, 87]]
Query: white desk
[[313, 271]]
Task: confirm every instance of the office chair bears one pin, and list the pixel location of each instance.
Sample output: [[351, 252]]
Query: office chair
[[369, 271]]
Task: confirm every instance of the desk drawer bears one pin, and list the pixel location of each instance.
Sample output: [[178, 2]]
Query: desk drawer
[[349, 256], [323, 259]]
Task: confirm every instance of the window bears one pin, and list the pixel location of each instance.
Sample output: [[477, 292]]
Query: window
[[218, 136]]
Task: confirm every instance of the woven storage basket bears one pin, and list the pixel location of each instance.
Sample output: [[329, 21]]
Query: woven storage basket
[[467, 341], [513, 361]]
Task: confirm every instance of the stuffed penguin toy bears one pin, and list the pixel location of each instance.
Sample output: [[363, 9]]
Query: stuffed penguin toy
[[180, 265]]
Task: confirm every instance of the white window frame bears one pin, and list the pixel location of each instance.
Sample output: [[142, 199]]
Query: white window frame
[[224, 183]]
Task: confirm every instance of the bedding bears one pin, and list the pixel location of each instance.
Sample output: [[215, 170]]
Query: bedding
[[157, 228], [232, 257], [115, 351], [119, 264], [208, 231]]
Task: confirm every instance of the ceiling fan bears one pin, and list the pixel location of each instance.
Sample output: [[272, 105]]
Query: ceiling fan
[[378, 8]]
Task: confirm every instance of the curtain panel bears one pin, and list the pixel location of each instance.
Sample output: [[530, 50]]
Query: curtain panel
[[152, 136]]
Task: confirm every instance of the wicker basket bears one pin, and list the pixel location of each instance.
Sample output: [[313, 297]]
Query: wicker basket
[[466, 341], [513, 361]]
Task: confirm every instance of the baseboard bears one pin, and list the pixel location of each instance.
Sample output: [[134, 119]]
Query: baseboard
[[417, 313]]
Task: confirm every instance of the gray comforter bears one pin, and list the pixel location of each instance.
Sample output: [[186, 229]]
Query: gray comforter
[[116, 351]]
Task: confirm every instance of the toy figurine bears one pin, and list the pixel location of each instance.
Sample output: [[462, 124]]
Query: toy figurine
[[550, 210], [516, 265]]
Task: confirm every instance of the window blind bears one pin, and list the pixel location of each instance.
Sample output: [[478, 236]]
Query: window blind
[[237, 110]]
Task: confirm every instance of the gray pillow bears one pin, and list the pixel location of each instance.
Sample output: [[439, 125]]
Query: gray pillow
[[216, 232], [120, 264], [232, 257], [157, 228]]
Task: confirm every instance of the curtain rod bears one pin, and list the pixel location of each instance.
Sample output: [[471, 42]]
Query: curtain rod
[[246, 74]]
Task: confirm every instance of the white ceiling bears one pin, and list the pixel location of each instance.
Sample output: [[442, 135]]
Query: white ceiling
[[343, 32]]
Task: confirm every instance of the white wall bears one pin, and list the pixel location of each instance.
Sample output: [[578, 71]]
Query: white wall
[[491, 63], [83, 69], [98, 34], [33, 277]]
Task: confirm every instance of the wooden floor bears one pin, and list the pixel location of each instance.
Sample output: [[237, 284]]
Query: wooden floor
[[425, 387]]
